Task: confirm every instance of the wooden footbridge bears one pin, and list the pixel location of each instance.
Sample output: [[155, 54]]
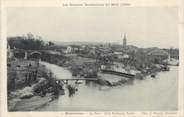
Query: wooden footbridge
[[65, 81]]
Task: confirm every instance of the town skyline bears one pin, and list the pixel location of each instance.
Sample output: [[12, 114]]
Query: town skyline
[[66, 43], [143, 27]]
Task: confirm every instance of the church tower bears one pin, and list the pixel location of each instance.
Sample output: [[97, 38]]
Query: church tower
[[124, 41]]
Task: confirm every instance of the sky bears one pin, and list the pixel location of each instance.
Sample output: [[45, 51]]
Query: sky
[[143, 26]]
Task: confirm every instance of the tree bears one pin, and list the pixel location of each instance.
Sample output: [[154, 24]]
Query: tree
[[29, 42], [50, 43]]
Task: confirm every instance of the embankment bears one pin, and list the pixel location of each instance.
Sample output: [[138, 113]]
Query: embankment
[[29, 89]]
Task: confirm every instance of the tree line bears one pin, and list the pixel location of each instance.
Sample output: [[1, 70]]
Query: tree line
[[28, 42]]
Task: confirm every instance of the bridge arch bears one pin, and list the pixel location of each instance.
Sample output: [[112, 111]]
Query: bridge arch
[[35, 55]]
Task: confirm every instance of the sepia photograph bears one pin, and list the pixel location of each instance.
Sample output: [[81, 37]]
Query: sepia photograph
[[92, 59]]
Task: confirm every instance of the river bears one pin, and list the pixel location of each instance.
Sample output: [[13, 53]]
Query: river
[[150, 94]]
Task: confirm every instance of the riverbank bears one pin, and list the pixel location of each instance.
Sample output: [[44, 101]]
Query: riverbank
[[112, 80], [30, 104], [151, 92], [81, 66], [30, 85]]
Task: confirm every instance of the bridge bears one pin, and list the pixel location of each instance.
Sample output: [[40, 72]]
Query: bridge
[[65, 81], [33, 54]]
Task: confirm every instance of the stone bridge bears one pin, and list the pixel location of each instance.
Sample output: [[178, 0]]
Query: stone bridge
[[36, 54]]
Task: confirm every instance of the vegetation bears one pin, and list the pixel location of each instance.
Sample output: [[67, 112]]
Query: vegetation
[[60, 60], [28, 42]]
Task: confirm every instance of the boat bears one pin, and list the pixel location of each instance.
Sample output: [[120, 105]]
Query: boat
[[128, 75], [165, 68], [118, 70], [153, 75]]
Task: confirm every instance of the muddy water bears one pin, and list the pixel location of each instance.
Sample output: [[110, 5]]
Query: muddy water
[[150, 94]]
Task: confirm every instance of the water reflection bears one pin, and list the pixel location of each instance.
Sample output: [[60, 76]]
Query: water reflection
[[148, 94]]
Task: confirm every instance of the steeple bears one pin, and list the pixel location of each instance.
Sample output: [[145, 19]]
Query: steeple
[[124, 41]]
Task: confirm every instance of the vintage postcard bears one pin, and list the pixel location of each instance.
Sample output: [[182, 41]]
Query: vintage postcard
[[91, 58]]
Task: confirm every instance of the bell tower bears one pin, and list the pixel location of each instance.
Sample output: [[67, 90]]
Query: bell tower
[[124, 41]]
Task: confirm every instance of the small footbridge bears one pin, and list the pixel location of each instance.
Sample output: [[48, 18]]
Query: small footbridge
[[76, 80]]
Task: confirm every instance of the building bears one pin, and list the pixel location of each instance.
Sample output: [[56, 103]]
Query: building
[[174, 53], [9, 52], [124, 41], [68, 50]]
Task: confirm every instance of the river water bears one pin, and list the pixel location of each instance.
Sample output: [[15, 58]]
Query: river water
[[150, 94]]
